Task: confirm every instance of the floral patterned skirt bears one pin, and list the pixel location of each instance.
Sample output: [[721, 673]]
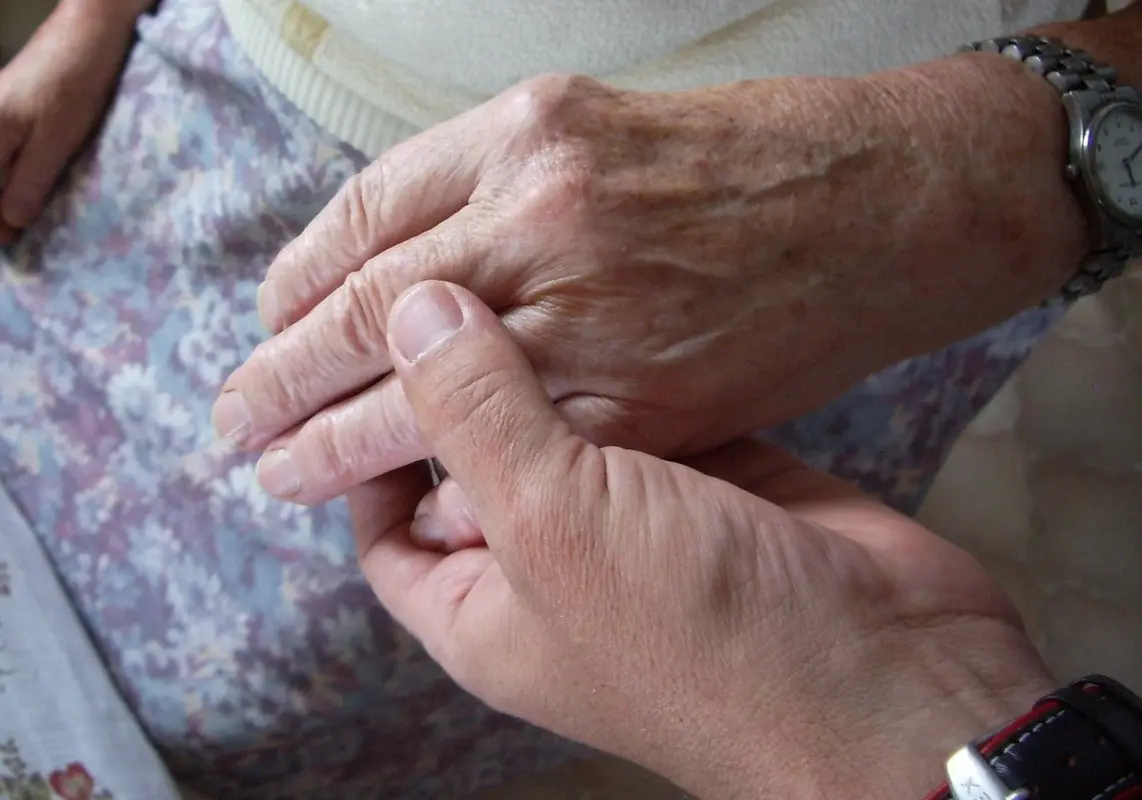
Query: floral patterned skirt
[[237, 627]]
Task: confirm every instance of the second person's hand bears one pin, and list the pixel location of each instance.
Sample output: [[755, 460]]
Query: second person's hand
[[744, 626]]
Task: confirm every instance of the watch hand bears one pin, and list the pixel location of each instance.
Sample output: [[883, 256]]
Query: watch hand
[[1134, 154], [1130, 172]]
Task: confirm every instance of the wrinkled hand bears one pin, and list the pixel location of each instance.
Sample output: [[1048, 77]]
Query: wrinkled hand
[[679, 268], [52, 96], [759, 630]]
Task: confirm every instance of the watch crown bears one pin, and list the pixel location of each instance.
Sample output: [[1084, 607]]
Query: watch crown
[[1072, 172]]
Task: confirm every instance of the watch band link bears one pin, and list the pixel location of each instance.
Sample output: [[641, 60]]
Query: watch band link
[[1070, 71], [1082, 742]]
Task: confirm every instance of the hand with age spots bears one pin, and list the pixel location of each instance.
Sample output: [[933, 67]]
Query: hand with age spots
[[742, 625], [679, 268]]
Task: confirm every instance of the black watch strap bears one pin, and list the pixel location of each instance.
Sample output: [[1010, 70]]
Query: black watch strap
[[1082, 742]]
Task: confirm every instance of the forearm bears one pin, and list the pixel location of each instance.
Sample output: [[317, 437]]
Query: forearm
[[1115, 39], [111, 16]]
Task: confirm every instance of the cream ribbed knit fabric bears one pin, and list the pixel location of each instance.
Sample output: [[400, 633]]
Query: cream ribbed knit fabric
[[374, 71]]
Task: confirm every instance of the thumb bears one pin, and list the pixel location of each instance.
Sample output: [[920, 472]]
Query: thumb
[[485, 415]]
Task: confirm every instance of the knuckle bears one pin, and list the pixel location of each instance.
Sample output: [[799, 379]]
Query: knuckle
[[295, 269], [402, 434], [373, 439], [434, 254], [330, 454], [360, 318], [556, 118], [548, 103], [557, 193], [360, 203], [278, 391]]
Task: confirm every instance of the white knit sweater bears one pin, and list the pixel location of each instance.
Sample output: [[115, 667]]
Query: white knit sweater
[[374, 71]]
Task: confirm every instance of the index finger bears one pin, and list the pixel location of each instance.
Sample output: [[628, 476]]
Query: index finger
[[410, 189]]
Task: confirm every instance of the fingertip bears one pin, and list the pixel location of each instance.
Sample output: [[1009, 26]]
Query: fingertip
[[8, 234], [379, 506], [395, 566]]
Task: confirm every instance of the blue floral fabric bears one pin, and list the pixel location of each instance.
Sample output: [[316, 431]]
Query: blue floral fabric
[[238, 627]]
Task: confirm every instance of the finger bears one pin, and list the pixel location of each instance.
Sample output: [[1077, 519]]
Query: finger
[[413, 187], [487, 418], [445, 520], [340, 346], [11, 134], [383, 504], [366, 435], [458, 606], [32, 177], [375, 431], [353, 441]]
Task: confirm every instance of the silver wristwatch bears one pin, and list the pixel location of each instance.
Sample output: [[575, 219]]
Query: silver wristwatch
[[1105, 160]]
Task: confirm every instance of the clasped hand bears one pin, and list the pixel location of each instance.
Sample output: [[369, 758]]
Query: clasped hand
[[741, 624], [679, 268]]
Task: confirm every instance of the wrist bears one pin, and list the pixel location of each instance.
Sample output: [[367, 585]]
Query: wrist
[[901, 709], [961, 688], [991, 140]]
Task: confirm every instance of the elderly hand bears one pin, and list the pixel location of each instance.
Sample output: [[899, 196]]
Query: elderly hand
[[679, 268], [760, 630], [52, 96]]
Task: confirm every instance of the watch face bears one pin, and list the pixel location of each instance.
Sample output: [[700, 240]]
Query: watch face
[[1116, 145]]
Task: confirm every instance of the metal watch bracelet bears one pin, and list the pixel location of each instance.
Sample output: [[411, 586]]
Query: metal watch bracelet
[[1074, 72]]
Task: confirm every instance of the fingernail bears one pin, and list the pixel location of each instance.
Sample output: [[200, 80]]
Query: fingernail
[[268, 307], [424, 319], [277, 473], [427, 532], [232, 418]]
